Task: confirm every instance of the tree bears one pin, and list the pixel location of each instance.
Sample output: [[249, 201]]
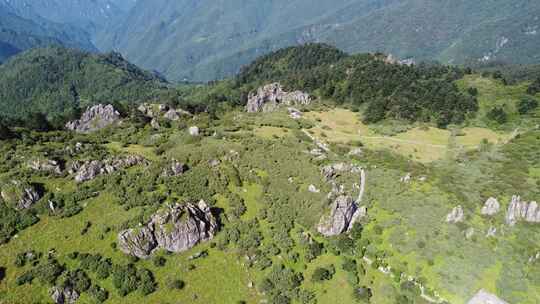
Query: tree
[[527, 105], [5, 132], [498, 114], [38, 121]]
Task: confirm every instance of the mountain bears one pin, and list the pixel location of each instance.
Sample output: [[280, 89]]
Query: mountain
[[91, 16], [59, 81], [18, 33], [203, 39]]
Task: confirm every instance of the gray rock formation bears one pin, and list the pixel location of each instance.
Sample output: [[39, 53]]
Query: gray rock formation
[[332, 171], [341, 214], [46, 165], [172, 115], [63, 295], [484, 297], [268, 98], [294, 113], [95, 118], [176, 228], [175, 169], [91, 169], [146, 110], [19, 195], [492, 231], [491, 207], [194, 131], [456, 215], [139, 242], [522, 211], [154, 123]]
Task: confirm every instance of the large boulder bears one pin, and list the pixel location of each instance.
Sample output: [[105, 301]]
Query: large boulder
[[179, 228], [175, 169], [343, 214], [139, 242], [176, 228], [269, 97], [456, 215], [484, 297], [91, 169], [63, 295], [491, 207], [95, 118], [19, 195], [519, 210]]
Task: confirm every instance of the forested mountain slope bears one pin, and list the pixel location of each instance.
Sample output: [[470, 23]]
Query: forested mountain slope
[[203, 40], [59, 81]]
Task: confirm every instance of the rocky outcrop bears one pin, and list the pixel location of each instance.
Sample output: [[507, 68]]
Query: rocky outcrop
[[154, 123], [484, 297], [47, 165], [294, 113], [313, 189], [491, 207], [19, 195], [91, 169], [172, 115], [176, 228], [64, 295], [456, 215], [95, 118], [522, 211], [268, 98], [332, 171], [175, 169], [343, 214], [139, 242]]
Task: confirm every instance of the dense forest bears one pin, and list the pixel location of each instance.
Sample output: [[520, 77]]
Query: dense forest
[[389, 89], [61, 82]]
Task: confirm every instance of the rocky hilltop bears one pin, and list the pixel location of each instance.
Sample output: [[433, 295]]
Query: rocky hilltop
[[95, 118], [519, 210], [19, 195], [176, 228], [269, 97]]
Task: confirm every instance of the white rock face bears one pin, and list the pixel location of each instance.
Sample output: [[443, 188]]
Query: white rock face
[[313, 189], [491, 207], [522, 211], [456, 215], [268, 98]]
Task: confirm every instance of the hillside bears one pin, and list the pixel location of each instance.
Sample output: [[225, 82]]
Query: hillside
[[102, 217], [90, 16], [59, 82], [218, 39], [18, 33]]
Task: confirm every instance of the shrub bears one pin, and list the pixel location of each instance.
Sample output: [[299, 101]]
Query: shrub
[[321, 274], [98, 293], [527, 105]]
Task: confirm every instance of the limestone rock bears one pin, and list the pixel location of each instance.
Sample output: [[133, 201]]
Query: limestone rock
[[492, 231], [491, 207], [154, 123], [138, 242], [46, 165], [172, 115], [163, 108], [268, 98], [484, 297], [146, 109], [313, 189], [91, 169], [332, 171], [522, 211], [194, 131], [94, 118], [176, 228], [294, 113], [175, 169], [341, 217], [407, 178], [64, 295], [456, 215], [19, 195]]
